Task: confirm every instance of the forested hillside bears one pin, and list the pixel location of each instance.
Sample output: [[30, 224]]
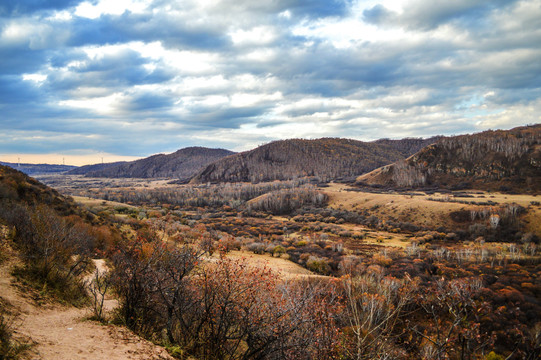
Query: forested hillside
[[181, 164], [408, 146], [16, 187], [327, 158], [504, 160]]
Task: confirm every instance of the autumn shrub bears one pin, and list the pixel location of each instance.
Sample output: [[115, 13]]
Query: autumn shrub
[[97, 288], [150, 280], [256, 247], [278, 250], [318, 265], [381, 260], [230, 243], [374, 309], [220, 310], [270, 248], [55, 252]]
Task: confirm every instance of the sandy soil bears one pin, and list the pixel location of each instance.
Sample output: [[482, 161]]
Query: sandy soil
[[62, 333]]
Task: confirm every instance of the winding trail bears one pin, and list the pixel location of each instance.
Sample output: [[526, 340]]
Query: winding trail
[[62, 333]]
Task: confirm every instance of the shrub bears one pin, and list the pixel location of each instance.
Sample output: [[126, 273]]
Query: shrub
[[279, 250], [304, 257], [318, 265], [55, 252], [382, 260], [493, 356], [256, 247]]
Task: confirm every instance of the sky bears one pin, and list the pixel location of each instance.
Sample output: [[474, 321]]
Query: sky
[[123, 79]]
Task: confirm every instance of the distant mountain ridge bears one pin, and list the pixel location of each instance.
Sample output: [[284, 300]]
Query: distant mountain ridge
[[501, 159], [182, 164], [326, 158], [85, 169], [39, 169]]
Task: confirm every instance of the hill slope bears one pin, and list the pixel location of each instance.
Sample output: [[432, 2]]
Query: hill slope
[[181, 164], [327, 158], [408, 146], [50, 247], [83, 170], [17, 187], [489, 160]]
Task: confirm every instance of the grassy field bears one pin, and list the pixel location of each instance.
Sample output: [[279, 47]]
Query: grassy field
[[422, 209], [286, 269], [97, 203]]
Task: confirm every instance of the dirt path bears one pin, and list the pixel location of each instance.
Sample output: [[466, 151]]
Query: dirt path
[[61, 333]]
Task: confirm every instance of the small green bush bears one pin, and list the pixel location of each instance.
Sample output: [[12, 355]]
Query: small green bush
[[279, 250], [493, 356], [318, 265], [176, 351]]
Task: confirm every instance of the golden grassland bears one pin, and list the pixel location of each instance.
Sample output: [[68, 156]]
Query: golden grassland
[[422, 209], [98, 203], [284, 268]]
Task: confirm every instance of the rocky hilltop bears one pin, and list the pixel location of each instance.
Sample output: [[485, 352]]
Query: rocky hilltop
[[492, 160], [326, 158]]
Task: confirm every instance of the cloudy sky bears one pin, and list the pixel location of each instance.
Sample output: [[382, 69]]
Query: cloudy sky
[[119, 79]]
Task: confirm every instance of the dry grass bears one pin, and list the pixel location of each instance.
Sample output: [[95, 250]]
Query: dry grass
[[405, 208], [286, 269], [481, 196], [93, 203], [533, 220], [419, 210]]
